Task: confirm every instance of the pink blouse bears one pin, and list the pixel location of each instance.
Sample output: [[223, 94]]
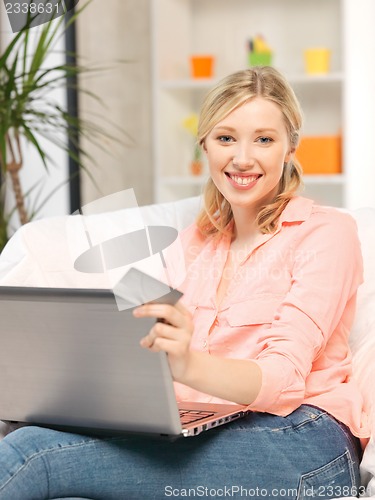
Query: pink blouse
[[289, 308]]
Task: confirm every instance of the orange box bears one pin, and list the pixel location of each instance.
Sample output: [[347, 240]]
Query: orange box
[[320, 154], [202, 66]]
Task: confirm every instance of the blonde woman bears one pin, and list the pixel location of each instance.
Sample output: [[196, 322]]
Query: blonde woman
[[268, 302]]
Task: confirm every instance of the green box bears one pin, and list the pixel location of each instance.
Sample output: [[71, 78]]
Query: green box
[[260, 58]]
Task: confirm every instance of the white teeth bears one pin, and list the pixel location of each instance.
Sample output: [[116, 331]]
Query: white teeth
[[243, 181]]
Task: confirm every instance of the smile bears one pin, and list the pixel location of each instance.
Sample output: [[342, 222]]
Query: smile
[[243, 181]]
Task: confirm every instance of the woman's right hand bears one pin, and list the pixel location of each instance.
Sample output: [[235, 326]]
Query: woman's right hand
[[172, 334]]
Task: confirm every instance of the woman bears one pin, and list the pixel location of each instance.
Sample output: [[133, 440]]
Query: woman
[[268, 302]]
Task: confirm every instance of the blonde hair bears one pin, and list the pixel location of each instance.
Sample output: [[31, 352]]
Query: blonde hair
[[229, 94]]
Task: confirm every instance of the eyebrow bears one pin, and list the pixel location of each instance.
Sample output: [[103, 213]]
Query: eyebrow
[[266, 129], [256, 131], [223, 127]]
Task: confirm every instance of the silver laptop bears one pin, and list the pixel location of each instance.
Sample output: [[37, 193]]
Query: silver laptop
[[69, 358]]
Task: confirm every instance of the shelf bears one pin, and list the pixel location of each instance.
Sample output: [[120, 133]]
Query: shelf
[[221, 28], [204, 83], [334, 77], [207, 83], [324, 179]]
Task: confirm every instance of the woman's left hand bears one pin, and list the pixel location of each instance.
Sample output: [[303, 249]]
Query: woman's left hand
[[172, 334]]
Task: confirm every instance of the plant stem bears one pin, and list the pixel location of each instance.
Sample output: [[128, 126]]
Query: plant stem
[[13, 168]]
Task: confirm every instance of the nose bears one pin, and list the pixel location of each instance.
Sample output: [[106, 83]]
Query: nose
[[243, 157]]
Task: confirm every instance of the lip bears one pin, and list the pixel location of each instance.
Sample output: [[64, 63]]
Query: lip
[[250, 185]]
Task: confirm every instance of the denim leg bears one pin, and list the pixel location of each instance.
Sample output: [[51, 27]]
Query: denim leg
[[300, 456]]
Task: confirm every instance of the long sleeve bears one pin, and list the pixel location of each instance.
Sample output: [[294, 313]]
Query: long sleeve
[[305, 351]]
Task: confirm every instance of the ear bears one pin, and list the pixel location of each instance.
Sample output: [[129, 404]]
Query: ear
[[290, 155]]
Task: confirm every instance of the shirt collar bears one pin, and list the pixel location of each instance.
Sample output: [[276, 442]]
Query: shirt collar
[[297, 210]]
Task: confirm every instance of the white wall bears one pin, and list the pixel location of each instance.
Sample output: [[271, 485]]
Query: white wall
[[115, 34], [359, 96]]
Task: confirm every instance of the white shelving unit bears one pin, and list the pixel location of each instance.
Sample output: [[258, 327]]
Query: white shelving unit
[[183, 27]]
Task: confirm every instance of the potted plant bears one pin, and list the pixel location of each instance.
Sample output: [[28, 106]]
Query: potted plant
[[28, 113]]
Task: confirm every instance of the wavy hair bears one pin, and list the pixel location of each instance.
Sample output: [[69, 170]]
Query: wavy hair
[[233, 91]]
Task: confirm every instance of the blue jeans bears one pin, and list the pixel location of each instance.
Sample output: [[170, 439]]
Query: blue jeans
[[303, 455]]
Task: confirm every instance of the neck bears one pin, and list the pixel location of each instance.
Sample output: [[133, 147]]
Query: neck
[[245, 229]]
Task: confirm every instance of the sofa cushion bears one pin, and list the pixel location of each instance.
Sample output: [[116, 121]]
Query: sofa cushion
[[362, 337]]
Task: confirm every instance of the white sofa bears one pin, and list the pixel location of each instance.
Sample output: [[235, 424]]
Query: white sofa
[[42, 254]]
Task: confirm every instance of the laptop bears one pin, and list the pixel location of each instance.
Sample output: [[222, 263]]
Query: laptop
[[71, 359]]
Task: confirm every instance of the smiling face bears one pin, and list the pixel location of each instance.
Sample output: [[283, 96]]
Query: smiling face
[[246, 152]]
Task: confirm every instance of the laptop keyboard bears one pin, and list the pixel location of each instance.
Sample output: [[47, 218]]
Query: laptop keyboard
[[190, 416]]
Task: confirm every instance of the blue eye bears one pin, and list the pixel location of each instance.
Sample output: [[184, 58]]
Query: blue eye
[[264, 140], [225, 138]]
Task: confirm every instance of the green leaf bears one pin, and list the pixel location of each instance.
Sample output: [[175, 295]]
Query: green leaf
[[31, 137]]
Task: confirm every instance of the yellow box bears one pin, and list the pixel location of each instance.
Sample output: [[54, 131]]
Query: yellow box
[[320, 154], [317, 61]]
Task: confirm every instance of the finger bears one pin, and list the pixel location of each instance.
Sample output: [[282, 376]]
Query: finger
[[183, 310], [162, 330], [170, 346], [168, 313]]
